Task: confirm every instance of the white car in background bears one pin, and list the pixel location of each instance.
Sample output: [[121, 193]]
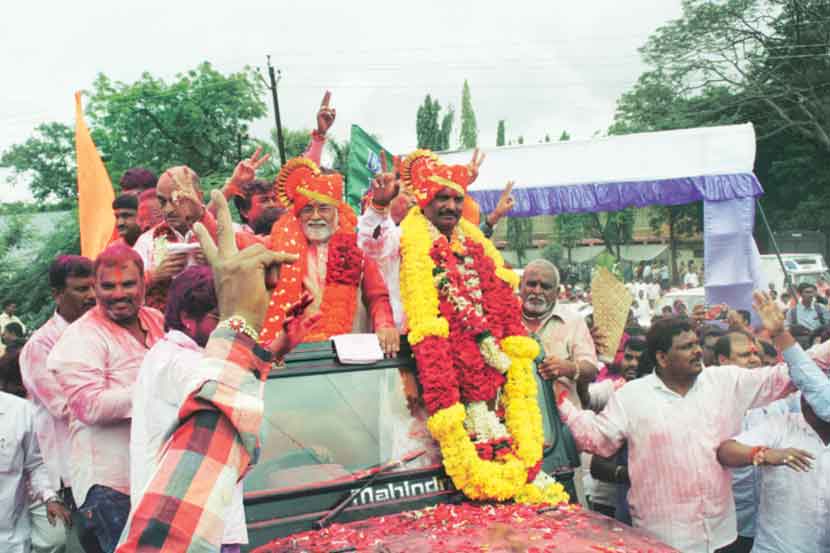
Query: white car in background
[[692, 297]]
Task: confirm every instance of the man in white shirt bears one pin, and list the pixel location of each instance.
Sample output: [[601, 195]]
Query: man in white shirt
[[8, 316], [22, 463], [673, 421], [792, 451], [71, 282], [168, 375]]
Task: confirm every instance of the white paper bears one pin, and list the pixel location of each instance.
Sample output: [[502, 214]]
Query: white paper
[[357, 349], [182, 247]]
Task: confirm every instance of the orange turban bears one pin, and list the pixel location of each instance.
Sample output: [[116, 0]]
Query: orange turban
[[423, 175], [300, 182]]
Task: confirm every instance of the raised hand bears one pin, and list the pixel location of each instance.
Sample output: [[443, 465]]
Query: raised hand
[[385, 185], [504, 205], [475, 164], [239, 276], [325, 115], [771, 317], [244, 173], [186, 195]]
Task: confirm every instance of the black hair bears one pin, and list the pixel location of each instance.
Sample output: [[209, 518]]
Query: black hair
[[14, 328], [243, 203], [707, 331], [126, 201], [804, 285], [661, 335], [745, 315], [636, 343], [10, 368], [724, 344], [65, 266], [769, 349]]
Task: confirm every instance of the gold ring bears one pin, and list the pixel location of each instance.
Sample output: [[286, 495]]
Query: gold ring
[[790, 458]]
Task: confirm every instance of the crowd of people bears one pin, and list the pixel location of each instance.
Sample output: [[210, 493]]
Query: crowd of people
[[145, 384]]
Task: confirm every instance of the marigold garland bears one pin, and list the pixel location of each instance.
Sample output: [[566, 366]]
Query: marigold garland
[[442, 349]]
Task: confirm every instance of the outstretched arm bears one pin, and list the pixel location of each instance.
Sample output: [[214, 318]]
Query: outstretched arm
[[217, 438]]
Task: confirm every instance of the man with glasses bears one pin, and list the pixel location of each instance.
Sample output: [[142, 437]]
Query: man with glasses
[[347, 286]]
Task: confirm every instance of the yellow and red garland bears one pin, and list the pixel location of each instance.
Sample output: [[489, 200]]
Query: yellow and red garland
[[455, 366]]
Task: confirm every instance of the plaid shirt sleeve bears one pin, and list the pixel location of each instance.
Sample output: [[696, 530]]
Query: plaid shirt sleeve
[[216, 441]]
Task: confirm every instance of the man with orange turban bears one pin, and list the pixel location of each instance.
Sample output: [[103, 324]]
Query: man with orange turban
[[385, 206], [348, 287]]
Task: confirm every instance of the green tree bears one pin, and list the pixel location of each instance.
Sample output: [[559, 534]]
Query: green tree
[[763, 61], [446, 129], [614, 228], [296, 141], [564, 136], [521, 140], [469, 129], [200, 119], [24, 269], [520, 236], [47, 161], [547, 137], [427, 129], [570, 230], [500, 133]]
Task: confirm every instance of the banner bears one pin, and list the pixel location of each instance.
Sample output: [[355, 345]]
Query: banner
[[95, 193], [363, 165]]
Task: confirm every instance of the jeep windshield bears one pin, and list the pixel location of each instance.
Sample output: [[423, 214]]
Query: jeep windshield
[[327, 423]]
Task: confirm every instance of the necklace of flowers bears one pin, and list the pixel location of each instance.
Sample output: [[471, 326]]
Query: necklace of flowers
[[506, 477], [459, 284]]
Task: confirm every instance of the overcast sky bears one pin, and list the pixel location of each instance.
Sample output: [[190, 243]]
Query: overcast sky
[[542, 66]]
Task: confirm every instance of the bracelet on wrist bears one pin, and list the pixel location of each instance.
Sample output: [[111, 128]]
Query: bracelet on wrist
[[317, 135], [240, 326], [577, 372], [758, 455]]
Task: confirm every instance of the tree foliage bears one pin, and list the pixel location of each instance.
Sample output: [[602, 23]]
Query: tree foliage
[[200, 119], [47, 161], [24, 267], [520, 236], [736, 61], [431, 134], [500, 133], [469, 129]]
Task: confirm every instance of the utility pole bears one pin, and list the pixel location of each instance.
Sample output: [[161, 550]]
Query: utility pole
[[273, 87]]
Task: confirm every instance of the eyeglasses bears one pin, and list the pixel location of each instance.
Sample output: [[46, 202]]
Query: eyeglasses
[[324, 210]]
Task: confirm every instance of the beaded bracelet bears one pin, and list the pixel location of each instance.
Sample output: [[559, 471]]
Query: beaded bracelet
[[240, 325]]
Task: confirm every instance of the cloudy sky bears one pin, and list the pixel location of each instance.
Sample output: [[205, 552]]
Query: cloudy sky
[[542, 66]]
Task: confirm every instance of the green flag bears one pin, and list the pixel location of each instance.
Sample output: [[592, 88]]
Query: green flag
[[363, 165]]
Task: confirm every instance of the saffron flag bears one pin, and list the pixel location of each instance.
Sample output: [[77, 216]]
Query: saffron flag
[[363, 165], [95, 193]]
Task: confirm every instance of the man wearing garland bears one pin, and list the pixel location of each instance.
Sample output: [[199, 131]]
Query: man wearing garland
[[466, 332], [348, 287]]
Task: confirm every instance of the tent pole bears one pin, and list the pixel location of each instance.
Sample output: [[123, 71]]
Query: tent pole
[[787, 281]]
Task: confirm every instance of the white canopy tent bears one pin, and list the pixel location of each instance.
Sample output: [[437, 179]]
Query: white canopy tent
[[712, 164]]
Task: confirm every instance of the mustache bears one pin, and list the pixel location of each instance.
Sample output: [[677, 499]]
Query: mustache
[[452, 212], [129, 301]]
